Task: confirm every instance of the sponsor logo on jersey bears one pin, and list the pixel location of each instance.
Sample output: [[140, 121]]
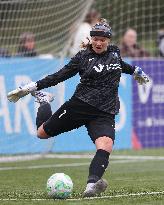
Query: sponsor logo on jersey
[[112, 66]]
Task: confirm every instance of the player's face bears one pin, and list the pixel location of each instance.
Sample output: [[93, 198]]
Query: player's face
[[100, 44]]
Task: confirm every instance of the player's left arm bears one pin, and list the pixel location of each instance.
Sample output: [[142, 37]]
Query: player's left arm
[[136, 71]]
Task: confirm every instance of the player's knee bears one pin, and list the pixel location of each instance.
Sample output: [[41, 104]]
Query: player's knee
[[41, 133], [105, 143]]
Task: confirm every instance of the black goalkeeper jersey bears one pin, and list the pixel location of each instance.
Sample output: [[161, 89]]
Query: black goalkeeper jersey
[[100, 76]]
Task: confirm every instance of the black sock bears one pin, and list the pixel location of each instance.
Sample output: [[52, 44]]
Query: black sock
[[43, 114], [98, 165]]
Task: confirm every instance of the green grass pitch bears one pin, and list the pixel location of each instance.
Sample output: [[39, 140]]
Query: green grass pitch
[[132, 181]]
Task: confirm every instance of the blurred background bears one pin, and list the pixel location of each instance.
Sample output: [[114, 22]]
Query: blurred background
[[54, 22]]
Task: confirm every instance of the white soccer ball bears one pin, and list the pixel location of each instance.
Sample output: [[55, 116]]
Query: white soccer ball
[[59, 186]]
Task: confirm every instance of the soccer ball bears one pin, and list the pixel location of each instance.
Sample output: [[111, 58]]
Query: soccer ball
[[59, 186]]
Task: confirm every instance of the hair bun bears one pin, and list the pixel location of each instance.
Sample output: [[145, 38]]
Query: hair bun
[[103, 21]]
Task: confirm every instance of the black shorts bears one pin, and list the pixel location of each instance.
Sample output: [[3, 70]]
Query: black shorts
[[76, 113]]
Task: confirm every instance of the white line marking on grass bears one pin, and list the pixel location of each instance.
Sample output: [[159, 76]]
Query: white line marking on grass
[[20, 158], [138, 157], [65, 165], [90, 156], [90, 198], [120, 195], [44, 166], [72, 156]]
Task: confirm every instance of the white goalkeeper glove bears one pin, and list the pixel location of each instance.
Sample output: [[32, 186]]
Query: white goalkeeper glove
[[140, 76], [20, 92]]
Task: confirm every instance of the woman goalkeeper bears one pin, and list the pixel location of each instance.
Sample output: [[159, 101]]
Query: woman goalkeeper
[[94, 103]]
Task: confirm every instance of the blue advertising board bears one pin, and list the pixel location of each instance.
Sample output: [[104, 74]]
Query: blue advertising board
[[17, 121], [148, 106]]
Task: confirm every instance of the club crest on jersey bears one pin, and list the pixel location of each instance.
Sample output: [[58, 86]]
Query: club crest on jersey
[[112, 66], [115, 55]]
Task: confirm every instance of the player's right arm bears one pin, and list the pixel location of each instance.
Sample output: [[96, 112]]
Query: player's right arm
[[69, 70]]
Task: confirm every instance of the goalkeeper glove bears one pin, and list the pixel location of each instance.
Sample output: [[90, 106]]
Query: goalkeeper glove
[[140, 76], [20, 92]]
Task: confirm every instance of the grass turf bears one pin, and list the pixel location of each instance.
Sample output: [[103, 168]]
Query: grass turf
[[26, 184]]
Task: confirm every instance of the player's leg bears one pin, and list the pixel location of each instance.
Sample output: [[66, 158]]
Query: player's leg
[[44, 111], [102, 133], [63, 120], [95, 183], [43, 114]]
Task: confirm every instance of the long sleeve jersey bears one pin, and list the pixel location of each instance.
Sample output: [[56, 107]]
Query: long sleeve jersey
[[100, 76]]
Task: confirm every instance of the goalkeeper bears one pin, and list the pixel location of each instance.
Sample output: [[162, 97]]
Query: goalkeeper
[[94, 103]]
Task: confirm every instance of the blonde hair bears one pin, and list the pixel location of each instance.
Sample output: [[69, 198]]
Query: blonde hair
[[103, 21], [85, 45]]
